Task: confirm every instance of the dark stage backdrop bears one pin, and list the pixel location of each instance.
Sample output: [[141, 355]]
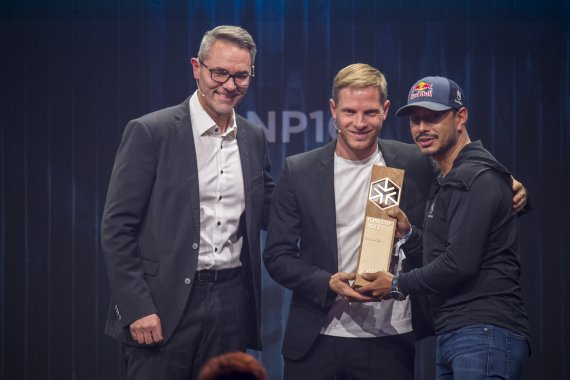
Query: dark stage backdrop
[[73, 73]]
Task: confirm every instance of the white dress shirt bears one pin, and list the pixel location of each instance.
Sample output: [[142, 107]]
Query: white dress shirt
[[220, 181]]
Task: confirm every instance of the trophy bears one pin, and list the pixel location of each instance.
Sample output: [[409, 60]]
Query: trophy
[[377, 240]]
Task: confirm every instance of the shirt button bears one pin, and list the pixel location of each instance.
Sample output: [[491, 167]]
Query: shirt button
[[219, 223], [216, 249], [220, 198], [195, 246], [221, 172], [187, 281]]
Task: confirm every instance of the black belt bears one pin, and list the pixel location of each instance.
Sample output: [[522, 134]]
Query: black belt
[[217, 275]]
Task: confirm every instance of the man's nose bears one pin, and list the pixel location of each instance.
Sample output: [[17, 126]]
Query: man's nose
[[230, 84], [422, 126], [359, 121]]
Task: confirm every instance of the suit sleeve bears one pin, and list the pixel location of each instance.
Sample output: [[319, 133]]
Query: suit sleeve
[[282, 256], [128, 195]]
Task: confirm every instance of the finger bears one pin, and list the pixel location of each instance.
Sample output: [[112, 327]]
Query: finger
[[361, 298], [157, 333], [344, 276], [139, 337], [156, 338], [364, 289], [370, 290], [133, 333], [370, 276], [380, 293], [352, 293], [364, 297], [519, 202], [394, 213], [516, 184], [147, 335]]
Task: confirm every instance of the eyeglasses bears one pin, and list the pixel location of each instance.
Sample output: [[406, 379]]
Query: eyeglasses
[[221, 76]]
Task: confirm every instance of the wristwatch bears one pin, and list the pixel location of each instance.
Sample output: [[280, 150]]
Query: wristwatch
[[395, 292]]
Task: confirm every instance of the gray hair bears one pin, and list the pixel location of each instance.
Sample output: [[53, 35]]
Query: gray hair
[[232, 34]]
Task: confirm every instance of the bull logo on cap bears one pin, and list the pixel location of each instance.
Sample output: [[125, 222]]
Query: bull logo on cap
[[421, 89]]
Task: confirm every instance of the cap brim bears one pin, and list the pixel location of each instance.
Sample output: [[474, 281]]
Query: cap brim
[[406, 110]]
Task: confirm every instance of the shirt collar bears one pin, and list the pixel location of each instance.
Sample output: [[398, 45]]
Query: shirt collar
[[374, 158], [203, 123]]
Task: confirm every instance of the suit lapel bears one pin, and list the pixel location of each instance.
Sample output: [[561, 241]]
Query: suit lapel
[[325, 185], [391, 156], [183, 127]]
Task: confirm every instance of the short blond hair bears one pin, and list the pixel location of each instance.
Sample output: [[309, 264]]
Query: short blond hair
[[360, 75]]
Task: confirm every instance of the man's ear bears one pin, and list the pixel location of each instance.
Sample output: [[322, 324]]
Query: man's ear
[[332, 106], [461, 117], [195, 67]]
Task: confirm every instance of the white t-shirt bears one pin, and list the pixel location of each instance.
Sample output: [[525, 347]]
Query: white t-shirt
[[357, 319]]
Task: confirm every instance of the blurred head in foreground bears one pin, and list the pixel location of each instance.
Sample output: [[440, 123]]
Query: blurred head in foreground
[[233, 365]]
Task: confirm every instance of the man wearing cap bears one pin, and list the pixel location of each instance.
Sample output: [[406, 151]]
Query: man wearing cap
[[469, 242], [313, 237]]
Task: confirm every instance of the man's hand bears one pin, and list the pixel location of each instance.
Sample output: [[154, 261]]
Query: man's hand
[[519, 197], [147, 330], [379, 286], [402, 223], [340, 285]]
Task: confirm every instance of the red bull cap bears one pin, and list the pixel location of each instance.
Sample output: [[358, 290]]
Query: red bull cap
[[434, 93]]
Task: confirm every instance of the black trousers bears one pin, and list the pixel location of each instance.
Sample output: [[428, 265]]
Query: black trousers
[[337, 358], [214, 322]]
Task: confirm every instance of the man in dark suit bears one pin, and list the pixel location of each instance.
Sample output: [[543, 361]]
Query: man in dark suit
[[189, 192], [317, 213]]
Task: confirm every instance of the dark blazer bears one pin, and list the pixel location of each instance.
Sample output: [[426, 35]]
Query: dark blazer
[[304, 207], [150, 232]]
